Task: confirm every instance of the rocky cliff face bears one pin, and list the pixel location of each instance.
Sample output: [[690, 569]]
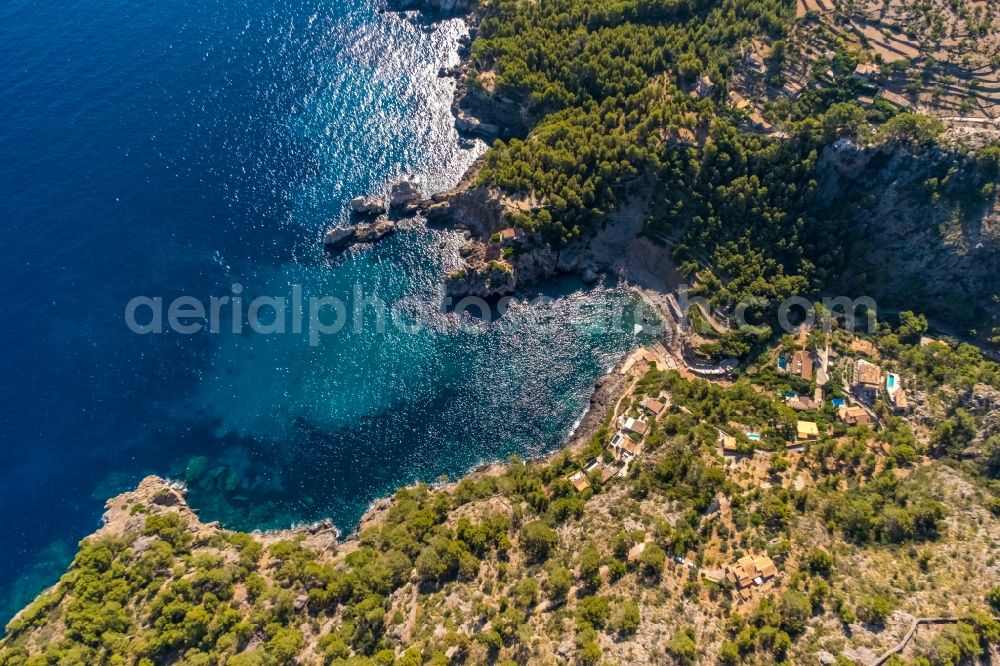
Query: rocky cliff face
[[923, 234], [493, 267], [432, 6]]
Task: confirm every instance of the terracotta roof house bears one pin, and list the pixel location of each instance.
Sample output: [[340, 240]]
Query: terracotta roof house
[[653, 406], [765, 567], [759, 122], [900, 402], [636, 426], [866, 380], [801, 404], [854, 415], [608, 472], [742, 572], [627, 445], [579, 481], [792, 89], [806, 430], [749, 570], [728, 443], [802, 364], [738, 100], [510, 234], [867, 375]]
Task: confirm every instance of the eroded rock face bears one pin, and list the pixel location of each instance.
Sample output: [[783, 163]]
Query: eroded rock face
[[914, 237], [367, 206], [438, 212], [403, 193], [127, 513], [431, 6], [372, 233], [339, 239], [472, 125], [482, 213], [481, 282], [483, 274]]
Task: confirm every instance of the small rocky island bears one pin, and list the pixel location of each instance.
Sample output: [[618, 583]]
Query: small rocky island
[[338, 239], [404, 201]]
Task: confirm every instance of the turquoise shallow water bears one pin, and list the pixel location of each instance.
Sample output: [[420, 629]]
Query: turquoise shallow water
[[175, 148], [320, 431]]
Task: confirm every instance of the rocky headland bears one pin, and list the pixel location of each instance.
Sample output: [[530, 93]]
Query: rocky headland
[[496, 259]]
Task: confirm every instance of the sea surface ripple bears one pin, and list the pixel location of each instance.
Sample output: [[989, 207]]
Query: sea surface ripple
[[178, 148]]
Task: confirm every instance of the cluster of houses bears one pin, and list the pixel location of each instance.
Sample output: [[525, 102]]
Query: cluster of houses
[[805, 431], [869, 381], [867, 384], [870, 73], [625, 446]]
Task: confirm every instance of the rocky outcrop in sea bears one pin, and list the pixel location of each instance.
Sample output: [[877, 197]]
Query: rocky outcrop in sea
[[431, 6], [340, 238], [368, 206], [490, 267]]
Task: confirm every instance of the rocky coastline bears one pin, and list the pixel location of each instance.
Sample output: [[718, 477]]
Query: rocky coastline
[[128, 511], [496, 259], [435, 7]]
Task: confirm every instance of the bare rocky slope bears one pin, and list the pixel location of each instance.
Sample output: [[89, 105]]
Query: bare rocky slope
[[920, 237]]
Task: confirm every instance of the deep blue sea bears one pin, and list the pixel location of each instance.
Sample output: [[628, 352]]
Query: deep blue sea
[[175, 148]]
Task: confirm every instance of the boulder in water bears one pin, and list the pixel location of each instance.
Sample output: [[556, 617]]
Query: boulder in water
[[367, 206], [403, 193], [339, 239], [471, 125], [589, 275]]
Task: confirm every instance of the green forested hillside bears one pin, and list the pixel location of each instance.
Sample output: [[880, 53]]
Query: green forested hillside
[[867, 529], [607, 83], [618, 112]]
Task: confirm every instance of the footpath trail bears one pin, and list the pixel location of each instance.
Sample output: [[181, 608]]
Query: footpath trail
[[910, 634]]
